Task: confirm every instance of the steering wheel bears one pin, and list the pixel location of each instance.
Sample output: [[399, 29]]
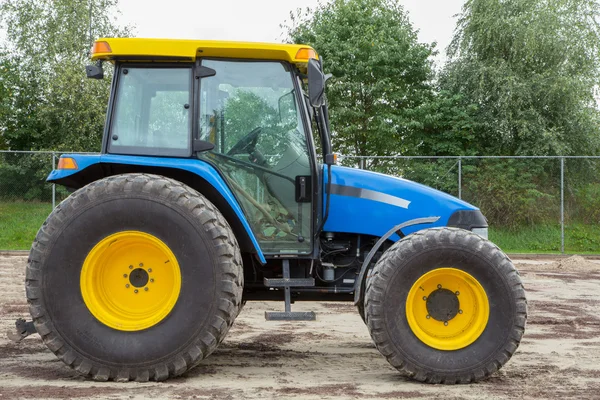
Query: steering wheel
[[247, 143]]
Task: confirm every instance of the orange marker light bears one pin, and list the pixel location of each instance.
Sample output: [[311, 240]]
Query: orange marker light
[[305, 54], [67, 163], [101, 47]]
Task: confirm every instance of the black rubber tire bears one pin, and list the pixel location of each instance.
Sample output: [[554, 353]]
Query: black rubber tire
[[361, 311], [410, 258], [209, 261]]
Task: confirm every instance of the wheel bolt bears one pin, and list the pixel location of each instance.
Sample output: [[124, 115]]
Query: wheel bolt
[[427, 316], [149, 269], [127, 286], [131, 267], [124, 275], [460, 311], [424, 298], [445, 323], [135, 291], [146, 289], [151, 280], [141, 265], [457, 293], [439, 286]]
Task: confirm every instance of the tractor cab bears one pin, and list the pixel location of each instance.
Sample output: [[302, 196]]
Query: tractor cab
[[246, 117]]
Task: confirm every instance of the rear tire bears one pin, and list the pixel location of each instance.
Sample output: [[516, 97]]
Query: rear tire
[[205, 285], [361, 311], [422, 276]]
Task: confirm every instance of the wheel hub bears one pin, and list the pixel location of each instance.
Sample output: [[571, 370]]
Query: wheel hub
[[442, 305], [139, 277], [130, 281], [447, 309]]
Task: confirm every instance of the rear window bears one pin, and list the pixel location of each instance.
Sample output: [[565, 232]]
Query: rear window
[[152, 112]]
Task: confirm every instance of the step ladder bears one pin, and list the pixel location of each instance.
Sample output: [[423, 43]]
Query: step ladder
[[286, 283]]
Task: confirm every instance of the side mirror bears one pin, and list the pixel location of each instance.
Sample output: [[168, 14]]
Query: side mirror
[[316, 83], [95, 71]]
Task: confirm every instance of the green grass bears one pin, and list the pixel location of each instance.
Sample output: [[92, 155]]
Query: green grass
[[19, 223], [579, 239]]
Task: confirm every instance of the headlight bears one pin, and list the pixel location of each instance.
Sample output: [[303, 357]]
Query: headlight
[[483, 232]]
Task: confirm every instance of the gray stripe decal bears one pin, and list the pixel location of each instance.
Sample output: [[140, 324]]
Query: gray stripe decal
[[369, 195]]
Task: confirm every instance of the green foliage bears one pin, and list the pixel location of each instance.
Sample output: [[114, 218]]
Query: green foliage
[[23, 176], [530, 67], [49, 102], [381, 73], [512, 193], [584, 203], [522, 76], [46, 101]]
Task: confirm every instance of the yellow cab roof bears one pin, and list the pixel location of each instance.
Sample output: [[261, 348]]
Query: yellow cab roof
[[137, 49]]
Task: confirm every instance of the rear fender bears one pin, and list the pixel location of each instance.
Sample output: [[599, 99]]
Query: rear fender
[[195, 173]]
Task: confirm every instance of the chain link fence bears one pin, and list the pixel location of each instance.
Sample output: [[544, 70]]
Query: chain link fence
[[533, 204]]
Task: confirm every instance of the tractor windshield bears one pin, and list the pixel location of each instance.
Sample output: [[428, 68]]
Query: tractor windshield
[[249, 111]]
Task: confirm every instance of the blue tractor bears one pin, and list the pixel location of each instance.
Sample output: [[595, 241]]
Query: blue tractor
[[210, 191]]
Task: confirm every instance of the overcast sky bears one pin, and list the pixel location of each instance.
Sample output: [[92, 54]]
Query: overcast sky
[[258, 20]]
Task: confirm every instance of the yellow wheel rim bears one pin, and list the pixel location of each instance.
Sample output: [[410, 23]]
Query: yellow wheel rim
[[447, 309], [130, 281]]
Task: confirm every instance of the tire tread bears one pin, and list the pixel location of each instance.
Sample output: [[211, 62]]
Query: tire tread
[[229, 260], [376, 286]]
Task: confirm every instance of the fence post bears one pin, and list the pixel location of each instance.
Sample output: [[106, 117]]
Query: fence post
[[361, 163], [460, 177], [53, 185], [562, 205]]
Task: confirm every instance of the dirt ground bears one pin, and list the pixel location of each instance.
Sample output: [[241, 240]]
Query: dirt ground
[[334, 358]]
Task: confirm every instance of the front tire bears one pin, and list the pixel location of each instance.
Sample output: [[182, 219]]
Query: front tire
[[445, 306], [134, 277]]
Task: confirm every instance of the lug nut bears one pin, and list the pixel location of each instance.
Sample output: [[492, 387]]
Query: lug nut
[[439, 286], [151, 280], [124, 275], [149, 269], [131, 267], [141, 265], [135, 291], [460, 311], [127, 286], [445, 323], [457, 293], [427, 316], [146, 289], [424, 298]]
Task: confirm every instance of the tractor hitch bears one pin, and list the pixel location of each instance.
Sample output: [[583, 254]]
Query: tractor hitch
[[22, 330]]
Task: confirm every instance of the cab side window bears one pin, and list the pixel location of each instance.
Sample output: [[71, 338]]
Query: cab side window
[[152, 113]]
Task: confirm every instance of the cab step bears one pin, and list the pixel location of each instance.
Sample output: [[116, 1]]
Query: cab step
[[286, 283]]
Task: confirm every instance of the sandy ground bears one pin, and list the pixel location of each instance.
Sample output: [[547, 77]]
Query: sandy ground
[[333, 358]]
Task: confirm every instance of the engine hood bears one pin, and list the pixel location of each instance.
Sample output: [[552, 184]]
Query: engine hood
[[365, 202]]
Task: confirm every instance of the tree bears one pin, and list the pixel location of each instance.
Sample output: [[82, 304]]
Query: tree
[[50, 104], [382, 75], [530, 67]]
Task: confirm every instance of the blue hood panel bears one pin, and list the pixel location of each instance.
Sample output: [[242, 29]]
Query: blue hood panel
[[370, 203]]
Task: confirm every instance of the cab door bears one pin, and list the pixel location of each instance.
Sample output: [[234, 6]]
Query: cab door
[[250, 112]]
